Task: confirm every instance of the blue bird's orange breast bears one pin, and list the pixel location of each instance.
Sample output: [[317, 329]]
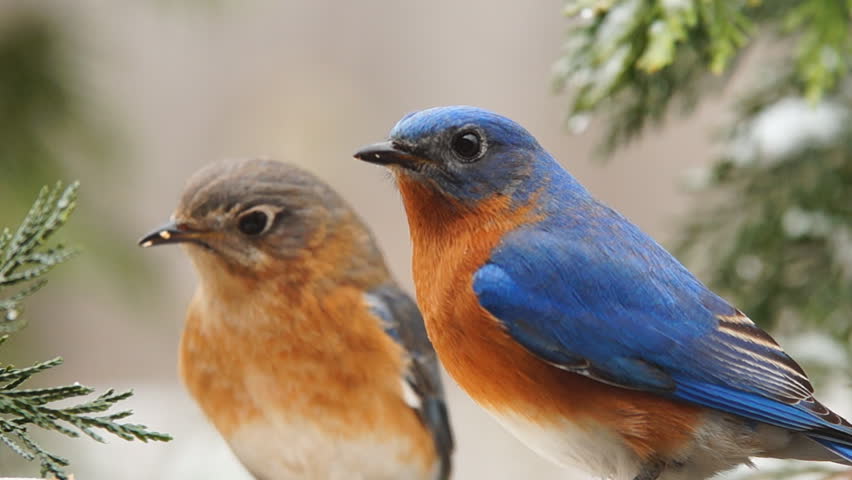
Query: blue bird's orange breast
[[451, 242]]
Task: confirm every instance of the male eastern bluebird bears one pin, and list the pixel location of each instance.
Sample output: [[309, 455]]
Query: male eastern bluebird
[[577, 331], [298, 345]]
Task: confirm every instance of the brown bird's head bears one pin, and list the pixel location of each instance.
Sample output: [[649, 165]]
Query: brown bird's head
[[261, 217]]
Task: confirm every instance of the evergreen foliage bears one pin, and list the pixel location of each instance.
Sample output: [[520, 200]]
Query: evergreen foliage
[[772, 225], [632, 59], [24, 259]]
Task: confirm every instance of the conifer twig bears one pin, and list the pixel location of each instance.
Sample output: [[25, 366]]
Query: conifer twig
[[24, 259]]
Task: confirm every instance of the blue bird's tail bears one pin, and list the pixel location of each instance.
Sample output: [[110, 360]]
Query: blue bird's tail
[[842, 450]]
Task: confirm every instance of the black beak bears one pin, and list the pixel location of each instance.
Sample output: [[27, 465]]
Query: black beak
[[388, 153], [171, 232]]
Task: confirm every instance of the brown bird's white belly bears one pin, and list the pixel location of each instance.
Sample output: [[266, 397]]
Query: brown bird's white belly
[[282, 450]]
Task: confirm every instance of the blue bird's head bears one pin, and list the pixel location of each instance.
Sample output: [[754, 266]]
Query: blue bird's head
[[464, 153]]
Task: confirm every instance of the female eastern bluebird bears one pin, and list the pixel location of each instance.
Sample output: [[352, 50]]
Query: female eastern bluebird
[[576, 330], [298, 345]]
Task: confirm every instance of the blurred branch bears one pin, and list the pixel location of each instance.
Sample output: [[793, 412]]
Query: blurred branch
[[632, 60], [50, 116], [38, 102]]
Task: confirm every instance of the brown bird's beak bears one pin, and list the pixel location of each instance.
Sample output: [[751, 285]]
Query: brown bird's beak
[[171, 232], [388, 153]]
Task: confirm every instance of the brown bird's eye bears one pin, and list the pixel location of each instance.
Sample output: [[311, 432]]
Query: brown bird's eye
[[253, 223], [467, 145]]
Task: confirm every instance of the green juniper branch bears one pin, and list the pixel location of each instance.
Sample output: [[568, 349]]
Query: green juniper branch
[[24, 259]]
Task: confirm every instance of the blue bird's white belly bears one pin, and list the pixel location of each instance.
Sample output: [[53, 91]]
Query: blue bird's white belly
[[590, 447], [720, 442]]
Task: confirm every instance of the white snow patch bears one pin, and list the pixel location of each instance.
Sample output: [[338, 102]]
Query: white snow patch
[[579, 123], [797, 222], [793, 123]]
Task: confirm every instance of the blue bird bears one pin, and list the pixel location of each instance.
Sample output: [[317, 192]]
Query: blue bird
[[576, 330]]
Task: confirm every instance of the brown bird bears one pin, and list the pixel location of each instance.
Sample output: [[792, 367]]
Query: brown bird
[[298, 345]]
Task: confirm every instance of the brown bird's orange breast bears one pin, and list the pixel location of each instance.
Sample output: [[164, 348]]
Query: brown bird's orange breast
[[284, 357], [451, 242]]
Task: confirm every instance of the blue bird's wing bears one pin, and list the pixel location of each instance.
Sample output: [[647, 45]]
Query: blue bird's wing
[[402, 322], [606, 301]]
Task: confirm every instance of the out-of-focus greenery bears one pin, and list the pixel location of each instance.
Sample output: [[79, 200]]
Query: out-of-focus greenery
[[780, 238], [772, 223], [50, 118], [40, 107], [633, 59], [24, 260]]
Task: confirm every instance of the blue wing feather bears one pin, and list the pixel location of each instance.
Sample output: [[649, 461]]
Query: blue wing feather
[[601, 298], [844, 451]]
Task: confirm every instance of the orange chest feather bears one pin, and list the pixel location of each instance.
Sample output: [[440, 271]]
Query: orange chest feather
[[450, 243], [323, 361]]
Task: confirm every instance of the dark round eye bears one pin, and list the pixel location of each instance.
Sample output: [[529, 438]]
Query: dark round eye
[[253, 223], [467, 145]]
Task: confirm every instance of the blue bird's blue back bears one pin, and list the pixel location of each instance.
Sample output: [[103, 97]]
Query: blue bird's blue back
[[586, 290]]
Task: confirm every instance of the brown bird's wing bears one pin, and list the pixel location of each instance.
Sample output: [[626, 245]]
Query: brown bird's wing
[[403, 322]]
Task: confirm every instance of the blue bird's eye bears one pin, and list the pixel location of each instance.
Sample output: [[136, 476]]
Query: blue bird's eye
[[467, 145]]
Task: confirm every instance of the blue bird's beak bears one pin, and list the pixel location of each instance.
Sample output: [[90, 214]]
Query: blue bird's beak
[[389, 153]]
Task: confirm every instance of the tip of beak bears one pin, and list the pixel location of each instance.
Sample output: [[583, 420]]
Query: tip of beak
[[148, 241], [169, 233], [386, 153], [365, 152]]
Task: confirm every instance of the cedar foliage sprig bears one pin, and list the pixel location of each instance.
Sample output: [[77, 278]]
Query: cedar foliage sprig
[[24, 259]]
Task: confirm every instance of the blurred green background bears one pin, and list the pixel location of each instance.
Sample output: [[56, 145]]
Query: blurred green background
[[726, 125]]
